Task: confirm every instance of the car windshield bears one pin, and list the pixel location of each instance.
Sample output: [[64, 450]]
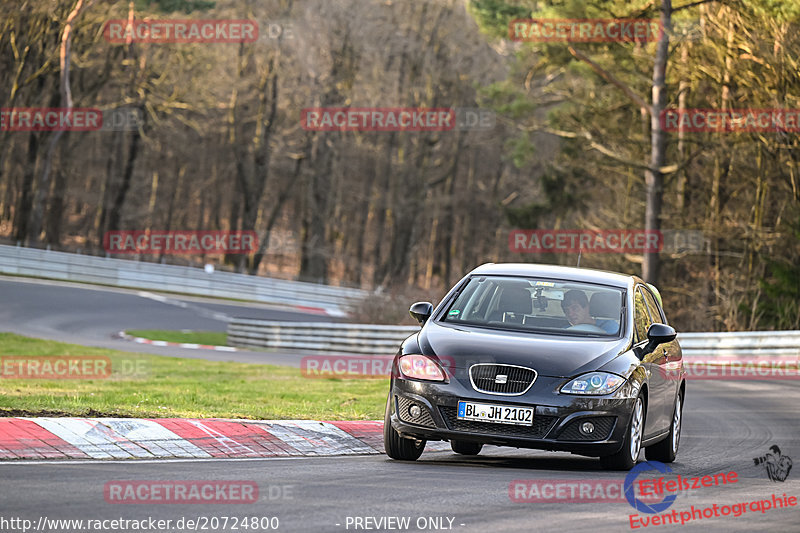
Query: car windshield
[[554, 307]]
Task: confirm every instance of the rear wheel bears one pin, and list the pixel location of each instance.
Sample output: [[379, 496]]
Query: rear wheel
[[466, 448], [398, 447], [626, 458], [667, 449]]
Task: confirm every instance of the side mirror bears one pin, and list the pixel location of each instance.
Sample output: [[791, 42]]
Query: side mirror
[[422, 311], [658, 334]]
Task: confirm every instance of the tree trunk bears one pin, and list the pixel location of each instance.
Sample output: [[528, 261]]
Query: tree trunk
[[22, 212], [254, 187], [684, 186], [382, 210], [654, 178], [115, 216], [56, 211], [449, 227], [65, 56], [104, 210], [273, 218], [360, 227], [313, 262], [171, 205]]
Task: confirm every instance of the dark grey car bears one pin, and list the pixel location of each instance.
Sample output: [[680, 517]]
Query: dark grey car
[[539, 356]]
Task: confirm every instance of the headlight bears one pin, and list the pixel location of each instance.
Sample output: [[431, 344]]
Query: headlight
[[597, 383], [420, 367]]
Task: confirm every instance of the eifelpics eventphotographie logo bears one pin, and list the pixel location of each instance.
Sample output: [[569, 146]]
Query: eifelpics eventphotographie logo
[[776, 464]]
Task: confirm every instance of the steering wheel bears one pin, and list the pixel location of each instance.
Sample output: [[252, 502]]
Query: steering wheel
[[587, 327]]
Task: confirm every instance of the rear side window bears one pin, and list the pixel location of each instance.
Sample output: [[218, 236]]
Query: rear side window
[[641, 317], [656, 314]]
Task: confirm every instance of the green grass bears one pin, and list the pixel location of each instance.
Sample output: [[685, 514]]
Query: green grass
[[175, 387], [214, 338]]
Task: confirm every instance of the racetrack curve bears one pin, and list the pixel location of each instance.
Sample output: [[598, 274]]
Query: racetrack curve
[[726, 425], [92, 316]]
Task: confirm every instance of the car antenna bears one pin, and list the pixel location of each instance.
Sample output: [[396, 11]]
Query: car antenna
[[579, 259]]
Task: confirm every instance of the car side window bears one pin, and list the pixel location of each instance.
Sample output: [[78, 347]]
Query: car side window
[[655, 311], [641, 318]]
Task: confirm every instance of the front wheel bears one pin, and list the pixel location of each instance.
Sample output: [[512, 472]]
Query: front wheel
[[626, 458], [398, 447], [667, 449]]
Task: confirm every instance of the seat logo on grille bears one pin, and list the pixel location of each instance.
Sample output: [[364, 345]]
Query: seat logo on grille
[[505, 380]]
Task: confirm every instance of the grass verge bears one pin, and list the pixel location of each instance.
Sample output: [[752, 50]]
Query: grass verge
[[214, 338], [142, 385]]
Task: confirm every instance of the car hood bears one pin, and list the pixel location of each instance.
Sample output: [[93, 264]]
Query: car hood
[[549, 355]]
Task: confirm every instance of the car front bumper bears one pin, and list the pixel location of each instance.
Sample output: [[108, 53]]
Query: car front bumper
[[556, 421]]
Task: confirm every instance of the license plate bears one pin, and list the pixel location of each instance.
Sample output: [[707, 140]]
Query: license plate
[[497, 414]]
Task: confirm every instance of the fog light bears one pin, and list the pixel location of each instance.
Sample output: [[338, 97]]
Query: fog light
[[587, 428], [414, 411]]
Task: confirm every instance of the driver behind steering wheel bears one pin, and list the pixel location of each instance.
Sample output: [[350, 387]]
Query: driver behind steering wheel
[[576, 308]]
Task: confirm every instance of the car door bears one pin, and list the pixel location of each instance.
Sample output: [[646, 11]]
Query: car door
[[654, 363], [670, 350]]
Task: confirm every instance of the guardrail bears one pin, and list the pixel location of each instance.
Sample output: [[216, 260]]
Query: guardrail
[[17, 260], [741, 344], [384, 340], [315, 337]]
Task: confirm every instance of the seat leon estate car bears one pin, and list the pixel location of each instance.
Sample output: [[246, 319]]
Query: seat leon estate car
[[544, 357]]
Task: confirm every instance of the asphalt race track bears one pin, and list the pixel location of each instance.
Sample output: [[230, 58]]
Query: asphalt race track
[[727, 424], [90, 316]]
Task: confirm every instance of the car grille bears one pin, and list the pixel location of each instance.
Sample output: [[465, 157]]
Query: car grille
[[541, 425], [424, 418], [484, 378], [602, 427]]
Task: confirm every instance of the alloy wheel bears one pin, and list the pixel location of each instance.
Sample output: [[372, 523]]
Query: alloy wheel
[[676, 425], [636, 429]]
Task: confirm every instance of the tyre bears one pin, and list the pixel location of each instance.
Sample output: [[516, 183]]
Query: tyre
[[466, 448], [628, 455], [667, 449], [398, 447]]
